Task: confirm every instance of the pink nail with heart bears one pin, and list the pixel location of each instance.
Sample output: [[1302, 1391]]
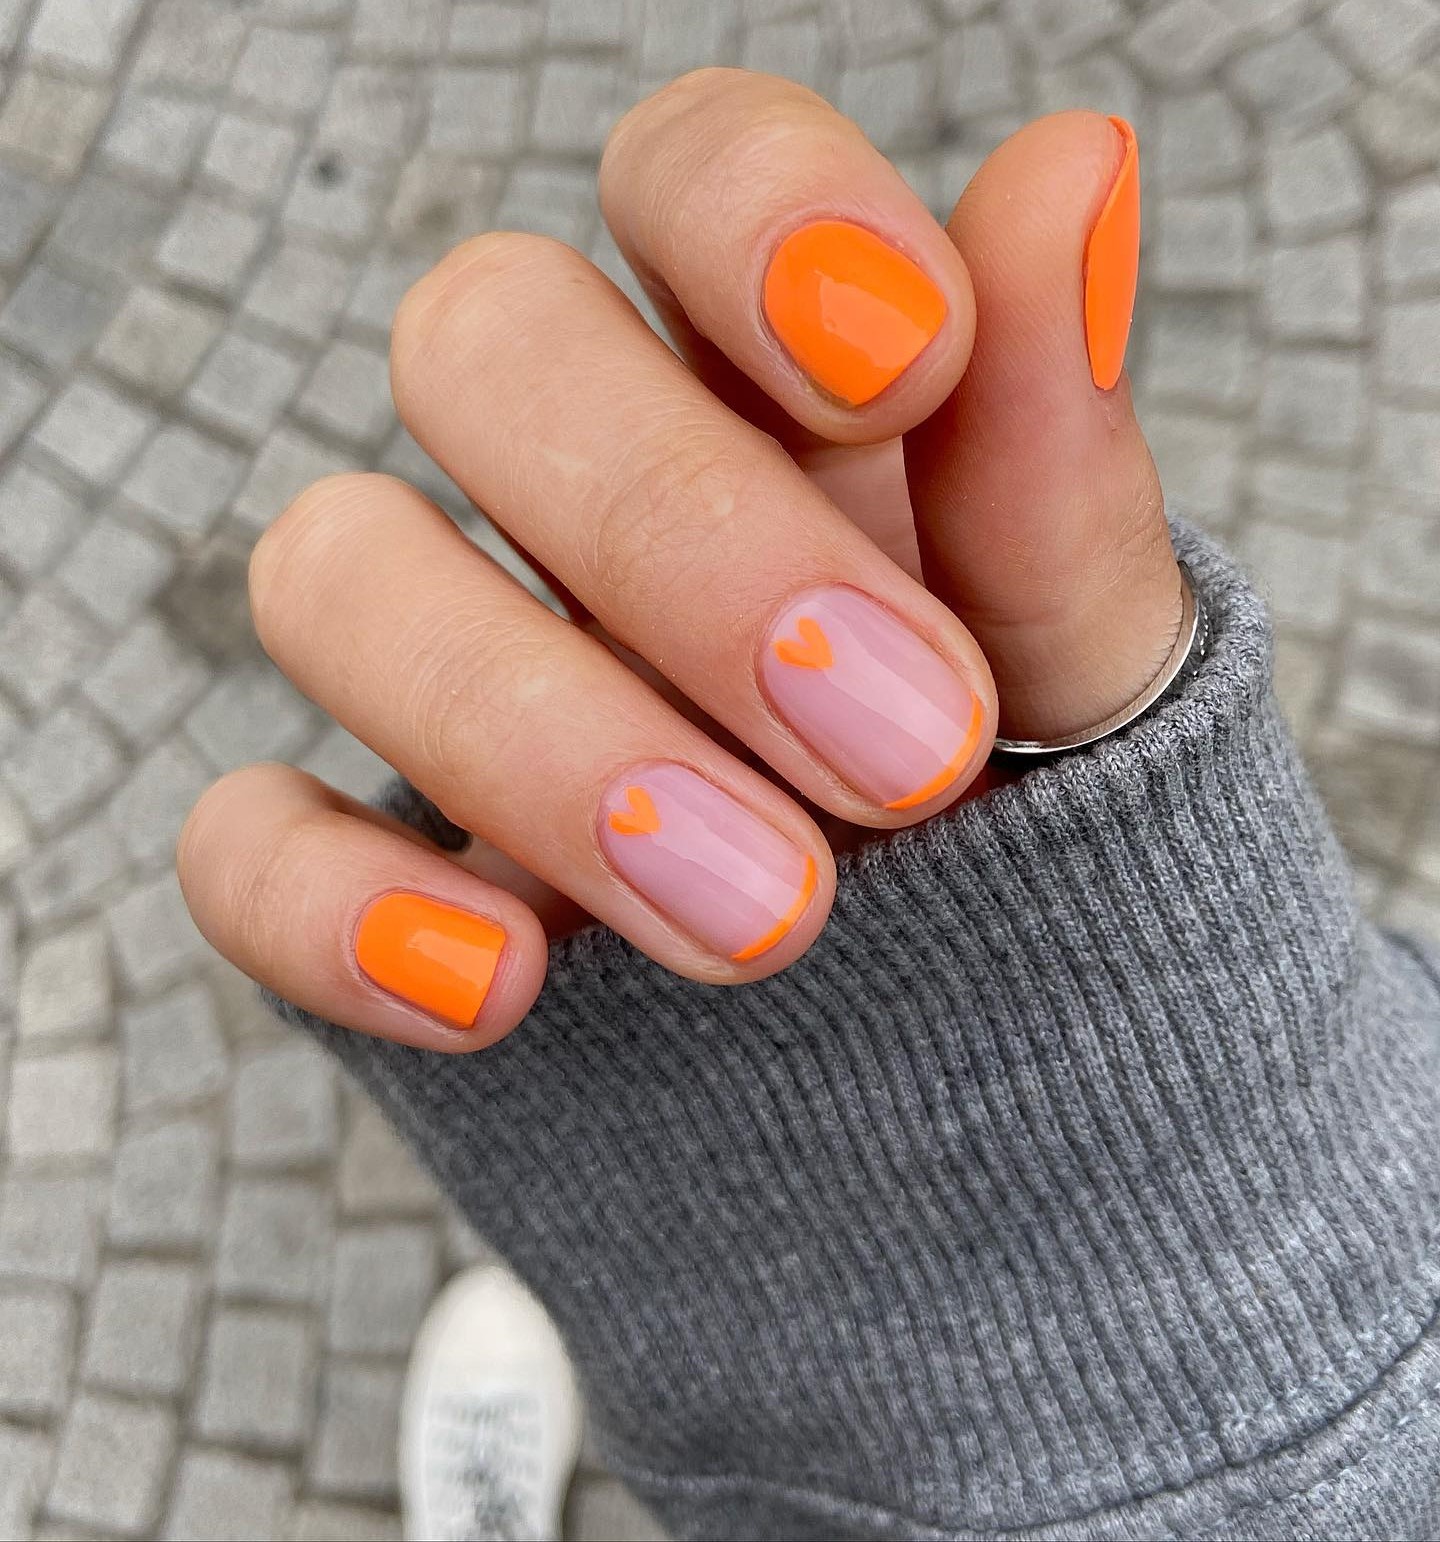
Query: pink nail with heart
[[730, 879], [870, 697]]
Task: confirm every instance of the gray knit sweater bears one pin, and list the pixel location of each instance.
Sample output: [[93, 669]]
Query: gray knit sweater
[[1083, 1180]]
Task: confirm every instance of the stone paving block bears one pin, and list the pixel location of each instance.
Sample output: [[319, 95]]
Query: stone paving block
[[276, 1239], [14, 834], [245, 385], [1409, 252], [1199, 463], [1399, 560], [1097, 81], [1407, 343], [866, 31], [1407, 453], [175, 1054], [1059, 29], [439, 202], [93, 430], [340, 759], [251, 714], [1303, 574], [1204, 243], [349, 393], [227, 1498], [157, 338], [1300, 491], [1390, 680], [156, 136], [382, 286], [316, 1521], [1314, 400], [337, 198], [494, 29], [377, 1173], [480, 111], [114, 571], [163, 1188], [289, 462], [83, 34], [65, 986], [140, 1337], [61, 766], [1415, 909], [1313, 185], [209, 245], [894, 101], [798, 48], [48, 123], [384, 1280], [353, 1453], [48, 1228], [416, 32], [21, 395], [44, 646], [1373, 790], [550, 200], [25, 1457], [1295, 76], [1427, 859], [283, 1108], [1383, 39], [257, 1380], [191, 44], [1181, 41], [1398, 124], [111, 225], [184, 479], [249, 156], [1201, 142], [1198, 351], [38, 519], [300, 290], [52, 318], [977, 70], [206, 603], [153, 935], [146, 681], [678, 35], [63, 1105], [150, 807], [35, 1351], [584, 23], [68, 874], [1317, 292], [111, 1467], [283, 71], [599, 1507], [368, 110], [29, 202]]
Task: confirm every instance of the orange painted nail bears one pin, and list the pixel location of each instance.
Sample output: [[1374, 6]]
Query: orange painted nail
[[851, 311], [434, 956], [1112, 267]]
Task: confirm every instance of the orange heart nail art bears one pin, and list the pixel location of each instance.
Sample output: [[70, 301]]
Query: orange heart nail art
[[811, 651], [643, 817]]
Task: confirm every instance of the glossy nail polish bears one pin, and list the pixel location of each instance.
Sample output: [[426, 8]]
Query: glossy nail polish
[[1112, 266], [729, 878], [870, 697], [852, 311], [437, 957]]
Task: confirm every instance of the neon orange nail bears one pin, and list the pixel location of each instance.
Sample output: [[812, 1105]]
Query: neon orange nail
[[851, 311], [1112, 267], [434, 956]]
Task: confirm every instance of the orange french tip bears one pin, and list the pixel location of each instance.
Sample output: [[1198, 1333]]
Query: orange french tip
[[956, 764], [436, 957], [786, 923], [1112, 267], [850, 310]]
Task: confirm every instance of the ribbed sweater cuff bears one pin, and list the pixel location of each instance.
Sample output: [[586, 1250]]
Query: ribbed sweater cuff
[[1091, 1150]]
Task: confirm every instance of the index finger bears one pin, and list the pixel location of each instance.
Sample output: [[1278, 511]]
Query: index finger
[[763, 222]]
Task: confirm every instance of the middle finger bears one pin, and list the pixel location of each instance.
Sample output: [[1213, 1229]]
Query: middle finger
[[690, 534]]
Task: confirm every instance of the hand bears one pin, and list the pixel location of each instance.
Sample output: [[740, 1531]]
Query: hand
[[896, 502]]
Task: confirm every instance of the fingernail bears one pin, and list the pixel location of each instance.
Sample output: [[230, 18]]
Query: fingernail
[[731, 880], [436, 957], [870, 697], [1112, 267], [850, 310]]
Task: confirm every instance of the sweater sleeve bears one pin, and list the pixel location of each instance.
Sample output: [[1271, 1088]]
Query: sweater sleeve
[[1083, 1180]]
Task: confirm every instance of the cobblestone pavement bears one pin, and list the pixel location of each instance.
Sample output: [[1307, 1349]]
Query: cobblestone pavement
[[212, 1257]]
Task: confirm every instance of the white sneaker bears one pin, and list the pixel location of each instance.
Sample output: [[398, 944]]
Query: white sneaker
[[490, 1425]]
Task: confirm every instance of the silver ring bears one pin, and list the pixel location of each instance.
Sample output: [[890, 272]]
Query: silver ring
[[1184, 660]]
